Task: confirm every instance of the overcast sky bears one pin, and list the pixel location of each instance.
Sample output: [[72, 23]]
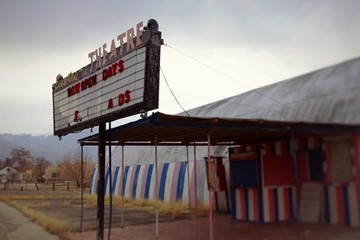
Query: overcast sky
[[215, 49]]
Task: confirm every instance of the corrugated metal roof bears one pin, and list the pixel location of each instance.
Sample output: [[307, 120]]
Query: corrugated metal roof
[[328, 95]]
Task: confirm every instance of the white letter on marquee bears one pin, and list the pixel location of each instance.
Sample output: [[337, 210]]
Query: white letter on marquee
[[112, 50], [138, 34], [130, 39], [121, 41], [105, 53]]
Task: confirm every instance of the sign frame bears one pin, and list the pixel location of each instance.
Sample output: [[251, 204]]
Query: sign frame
[[151, 41]]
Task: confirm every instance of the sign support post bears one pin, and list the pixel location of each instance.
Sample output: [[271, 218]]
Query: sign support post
[[101, 182]]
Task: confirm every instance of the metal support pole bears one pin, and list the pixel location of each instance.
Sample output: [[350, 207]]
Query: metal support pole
[[82, 185], [156, 192], [110, 183], [195, 180], [188, 177], [101, 182], [210, 191], [296, 181], [122, 186]]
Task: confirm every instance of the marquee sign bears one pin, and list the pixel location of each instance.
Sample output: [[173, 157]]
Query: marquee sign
[[119, 82]]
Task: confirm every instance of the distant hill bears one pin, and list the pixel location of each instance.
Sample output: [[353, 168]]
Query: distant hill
[[47, 146]]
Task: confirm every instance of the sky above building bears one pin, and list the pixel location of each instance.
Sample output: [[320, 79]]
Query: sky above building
[[213, 49]]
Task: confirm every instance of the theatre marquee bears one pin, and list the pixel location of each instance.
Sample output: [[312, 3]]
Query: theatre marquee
[[122, 79]]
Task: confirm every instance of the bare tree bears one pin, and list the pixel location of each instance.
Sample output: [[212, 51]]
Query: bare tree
[[39, 166], [20, 158]]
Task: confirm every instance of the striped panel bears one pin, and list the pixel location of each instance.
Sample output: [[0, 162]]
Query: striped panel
[[163, 181], [174, 177], [143, 174], [170, 188], [153, 183], [192, 183], [341, 205], [123, 187], [130, 182], [107, 180], [247, 204], [135, 181], [185, 183], [116, 180], [138, 182], [148, 181], [278, 204], [180, 182]]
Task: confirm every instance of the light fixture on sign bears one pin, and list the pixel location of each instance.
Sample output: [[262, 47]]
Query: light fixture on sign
[[152, 24]]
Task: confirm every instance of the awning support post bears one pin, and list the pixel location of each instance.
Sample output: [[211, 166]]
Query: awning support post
[[110, 183], [82, 184], [210, 191], [296, 181], [188, 177], [122, 186], [156, 192], [101, 182], [195, 178]]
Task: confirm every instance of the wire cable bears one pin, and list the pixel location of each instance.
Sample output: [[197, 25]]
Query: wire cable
[[173, 93], [235, 80]]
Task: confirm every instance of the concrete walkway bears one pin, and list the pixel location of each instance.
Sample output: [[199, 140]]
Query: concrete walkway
[[13, 226]]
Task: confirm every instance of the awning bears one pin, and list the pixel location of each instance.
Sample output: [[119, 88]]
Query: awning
[[183, 130]]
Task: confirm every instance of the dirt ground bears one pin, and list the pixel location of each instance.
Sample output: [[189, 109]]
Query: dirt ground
[[225, 228], [140, 224]]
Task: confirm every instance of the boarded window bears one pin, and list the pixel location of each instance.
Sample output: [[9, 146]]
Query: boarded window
[[340, 160]]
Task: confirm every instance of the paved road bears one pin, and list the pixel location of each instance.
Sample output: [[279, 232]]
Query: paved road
[[13, 226]]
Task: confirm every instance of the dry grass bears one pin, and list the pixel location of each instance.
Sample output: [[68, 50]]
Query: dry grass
[[175, 209], [62, 228], [44, 204], [67, 203], [35, 197]]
